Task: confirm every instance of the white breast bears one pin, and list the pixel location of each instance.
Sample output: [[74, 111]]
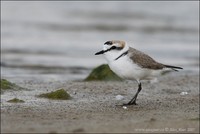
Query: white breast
[[127, 69]]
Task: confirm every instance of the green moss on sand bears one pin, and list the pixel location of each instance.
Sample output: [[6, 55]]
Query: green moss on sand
[[195, 119], [60, 94], [103, 73], [15, 100], [7, 85]]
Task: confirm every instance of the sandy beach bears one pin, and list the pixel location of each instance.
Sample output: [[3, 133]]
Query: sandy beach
[[94, 108], [50, 46]]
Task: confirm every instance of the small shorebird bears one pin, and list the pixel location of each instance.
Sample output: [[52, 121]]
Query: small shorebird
[[129, 63]]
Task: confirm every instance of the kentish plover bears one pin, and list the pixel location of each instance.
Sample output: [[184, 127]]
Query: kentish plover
[[129, 63]]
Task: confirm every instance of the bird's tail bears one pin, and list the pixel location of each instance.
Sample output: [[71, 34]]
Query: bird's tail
[[173, 67]]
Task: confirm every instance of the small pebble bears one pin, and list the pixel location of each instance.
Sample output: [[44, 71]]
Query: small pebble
[[119, 97], [124, 107], [183, 93]]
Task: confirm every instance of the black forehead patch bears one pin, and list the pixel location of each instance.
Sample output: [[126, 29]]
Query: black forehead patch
[[108, 43]]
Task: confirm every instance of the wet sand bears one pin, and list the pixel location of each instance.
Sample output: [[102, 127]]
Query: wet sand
[[161, 108]]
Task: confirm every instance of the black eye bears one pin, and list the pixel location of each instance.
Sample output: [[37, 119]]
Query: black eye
[[113, 47], [108, 43]]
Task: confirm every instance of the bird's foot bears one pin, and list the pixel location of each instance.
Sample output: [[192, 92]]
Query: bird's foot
[[130, 103]]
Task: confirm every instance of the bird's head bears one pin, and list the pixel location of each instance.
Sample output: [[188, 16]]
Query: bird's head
[[112, 49], [114, 46]]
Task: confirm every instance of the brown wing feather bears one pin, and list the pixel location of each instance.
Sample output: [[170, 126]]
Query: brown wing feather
[[144, 60]]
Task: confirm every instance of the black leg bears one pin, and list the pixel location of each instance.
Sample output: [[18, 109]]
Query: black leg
[[133, 100]]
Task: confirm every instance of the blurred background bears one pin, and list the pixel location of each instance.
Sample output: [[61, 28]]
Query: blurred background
[[57, 40]]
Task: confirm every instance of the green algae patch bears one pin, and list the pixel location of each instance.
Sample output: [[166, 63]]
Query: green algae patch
[[60, 94], [15, 100], [102, 73], [195, 119], [7, 85]]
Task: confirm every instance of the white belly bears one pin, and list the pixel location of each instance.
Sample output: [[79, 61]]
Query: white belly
[[126, 69]]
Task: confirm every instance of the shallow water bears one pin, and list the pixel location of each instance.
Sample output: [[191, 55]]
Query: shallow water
[[57, 40]]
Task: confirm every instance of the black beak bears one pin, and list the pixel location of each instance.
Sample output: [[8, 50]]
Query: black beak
[[100, 52], [103, 51]]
